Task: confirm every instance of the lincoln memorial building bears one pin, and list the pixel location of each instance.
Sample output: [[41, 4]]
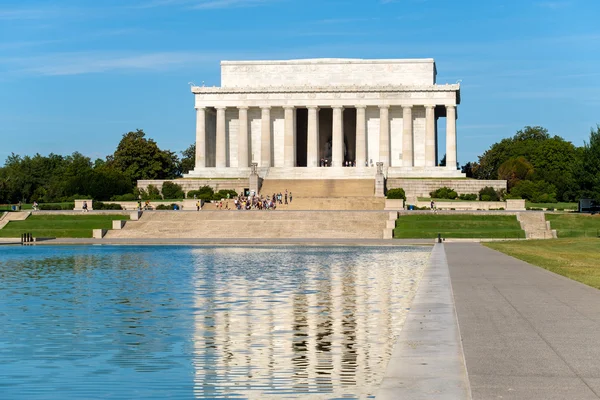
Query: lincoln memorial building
[[326, 118]]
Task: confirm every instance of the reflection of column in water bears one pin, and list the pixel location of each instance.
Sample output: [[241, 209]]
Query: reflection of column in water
[[349, 356], [324, 331], [336, 271], [205, 353], [300, 350]]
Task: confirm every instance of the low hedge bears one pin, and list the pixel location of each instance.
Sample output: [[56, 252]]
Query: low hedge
[[444, 193], [50, 206], [98, 205], [396, 194]]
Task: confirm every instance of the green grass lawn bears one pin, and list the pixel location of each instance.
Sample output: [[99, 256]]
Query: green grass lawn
[[575, 225], [575, 258], [458, 226], [442, 200], [71, 226], [565, 206]]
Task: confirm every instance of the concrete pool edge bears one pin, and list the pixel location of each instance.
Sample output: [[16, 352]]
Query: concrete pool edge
[[428, 359], [241, 242]]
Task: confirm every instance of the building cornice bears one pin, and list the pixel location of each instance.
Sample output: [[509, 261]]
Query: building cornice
[[325, 89]]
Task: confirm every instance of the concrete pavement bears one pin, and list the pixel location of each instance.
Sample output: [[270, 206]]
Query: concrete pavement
[[527, 333], [428, 360]]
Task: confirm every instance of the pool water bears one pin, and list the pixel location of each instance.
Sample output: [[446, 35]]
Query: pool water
[[159, 322]]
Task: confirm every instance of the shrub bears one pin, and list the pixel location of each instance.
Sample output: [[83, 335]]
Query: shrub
[[204, 193], [69, 206], [222, 194], [98, 205], [166, 206], [152, 193], [397, 193], [172, 190], [536, 192], [124, 197], [468, 196], [444, 193], [489, 193]]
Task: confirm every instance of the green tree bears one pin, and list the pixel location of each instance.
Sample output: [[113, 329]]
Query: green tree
[[590, 166], [188, 159], [141, 158], [172, 190], [553, 159], [514, 170]]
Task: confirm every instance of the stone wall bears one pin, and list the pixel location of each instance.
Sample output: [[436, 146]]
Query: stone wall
[[194, 184], [422, 187], [327, 72]]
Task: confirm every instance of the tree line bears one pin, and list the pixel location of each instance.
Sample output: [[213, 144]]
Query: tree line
[[542, 168], [57, 178], [537, 166]]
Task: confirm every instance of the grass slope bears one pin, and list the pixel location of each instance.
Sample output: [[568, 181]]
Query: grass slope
[[70, 226], [575, 258], [458, 226], [575, 225]]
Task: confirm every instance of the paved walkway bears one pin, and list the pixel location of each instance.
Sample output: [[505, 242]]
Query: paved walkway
[[527, 333]]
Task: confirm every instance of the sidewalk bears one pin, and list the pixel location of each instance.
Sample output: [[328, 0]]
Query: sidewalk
[[527, 333]]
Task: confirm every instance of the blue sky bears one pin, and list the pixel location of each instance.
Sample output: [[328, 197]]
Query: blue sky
[[76, 75]]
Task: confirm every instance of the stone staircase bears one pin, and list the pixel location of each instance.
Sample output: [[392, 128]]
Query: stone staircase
[[535, 226], [256, 224], [349, 173], [321, 203], [320, 188], [13, 216]]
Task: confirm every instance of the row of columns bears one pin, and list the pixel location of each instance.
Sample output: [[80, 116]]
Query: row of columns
[[337, 137]]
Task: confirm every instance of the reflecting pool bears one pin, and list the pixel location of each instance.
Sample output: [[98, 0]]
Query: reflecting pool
[[159, 322]]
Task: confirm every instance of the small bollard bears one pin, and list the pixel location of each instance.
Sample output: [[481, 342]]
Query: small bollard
[[439, 238]]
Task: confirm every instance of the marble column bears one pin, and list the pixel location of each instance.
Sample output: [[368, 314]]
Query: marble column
[[384, 135], [451, 137], [430, 136], [289, 137], [312, 145], [221, 151], [407, 137], [265, 137], [243, 138], [200, 137], [361, 136], [337, 139]]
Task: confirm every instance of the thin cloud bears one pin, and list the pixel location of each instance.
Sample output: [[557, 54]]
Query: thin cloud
[[554, 5], [90, 62], [214, 4], [25, 13], [205, 4]]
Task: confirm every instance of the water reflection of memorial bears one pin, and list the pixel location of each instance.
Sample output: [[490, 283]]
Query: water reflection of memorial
[[308, 323]]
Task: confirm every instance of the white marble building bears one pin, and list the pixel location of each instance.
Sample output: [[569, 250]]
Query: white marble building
[[288, 116]]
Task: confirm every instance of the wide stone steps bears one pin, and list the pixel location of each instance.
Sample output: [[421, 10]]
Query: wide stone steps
[[535, 226], [253, 224], [322, 188], [320, 203], [321, 173]]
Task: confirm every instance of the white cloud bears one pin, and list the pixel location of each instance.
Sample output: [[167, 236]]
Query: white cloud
[[77, 63], [554, 5], [205, 4]]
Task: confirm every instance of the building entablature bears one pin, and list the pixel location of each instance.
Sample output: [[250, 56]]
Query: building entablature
[[447, 95]]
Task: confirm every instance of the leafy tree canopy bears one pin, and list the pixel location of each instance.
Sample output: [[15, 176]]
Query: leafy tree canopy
[[553, 160], [141, 158]]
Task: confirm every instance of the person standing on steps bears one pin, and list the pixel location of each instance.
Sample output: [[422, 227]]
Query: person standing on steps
[[290, 197], [286, 196]]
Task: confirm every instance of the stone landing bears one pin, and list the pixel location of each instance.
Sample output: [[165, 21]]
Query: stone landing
[[255, 224]]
